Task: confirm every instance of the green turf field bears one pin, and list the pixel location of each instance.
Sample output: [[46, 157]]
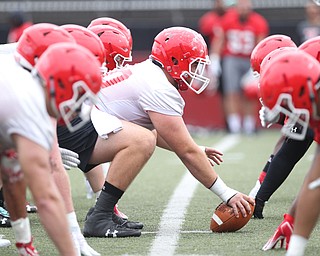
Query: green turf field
[[187, 232]]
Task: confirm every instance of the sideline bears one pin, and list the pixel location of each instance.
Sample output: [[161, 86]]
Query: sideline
[[172, 218]]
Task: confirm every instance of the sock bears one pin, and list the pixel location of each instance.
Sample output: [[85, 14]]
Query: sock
[[234, 123], [21, 230], [265, 169], [249, 124], [108, 198], [297, 245], [97, 195], [282, 164]]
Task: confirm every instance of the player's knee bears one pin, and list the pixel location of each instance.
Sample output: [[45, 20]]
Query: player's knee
[[146, 143]]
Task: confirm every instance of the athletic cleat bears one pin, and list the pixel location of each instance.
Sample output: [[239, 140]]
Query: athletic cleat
[[126, 223], [4, 218], [120, 221], [258, 209], [255, 189], [89, 213], [31, 208], [119, 213], [4, 242], [283, 232], [98, 225], [27, 249]]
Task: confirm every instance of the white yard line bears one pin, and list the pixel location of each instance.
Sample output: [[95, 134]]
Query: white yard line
[[168, 234]]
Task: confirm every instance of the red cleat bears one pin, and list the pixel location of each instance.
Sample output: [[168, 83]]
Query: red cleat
[[283, 232], [27, 249]]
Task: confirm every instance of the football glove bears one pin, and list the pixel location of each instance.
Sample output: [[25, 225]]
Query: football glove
[[265, 121], [283, 231], [69, 158]]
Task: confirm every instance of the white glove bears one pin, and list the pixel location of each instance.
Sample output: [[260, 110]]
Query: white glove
[[215, 66], [265, 120], [81, 245], [69, 158]]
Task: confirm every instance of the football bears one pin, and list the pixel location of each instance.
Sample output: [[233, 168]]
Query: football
[[224, 220]]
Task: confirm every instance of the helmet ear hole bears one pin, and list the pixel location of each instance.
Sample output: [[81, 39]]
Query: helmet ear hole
[[174, 61]]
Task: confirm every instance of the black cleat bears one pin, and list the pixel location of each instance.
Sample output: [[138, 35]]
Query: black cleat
[[258, 209], [99, 225], [120, 221], [129, 224]]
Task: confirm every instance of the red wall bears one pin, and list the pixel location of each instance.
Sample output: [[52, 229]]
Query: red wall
[[203, 110]]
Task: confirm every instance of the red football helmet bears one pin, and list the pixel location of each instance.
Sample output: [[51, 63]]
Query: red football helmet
[[183, 53], [117, 47], [267, 59], [113, 23], [71, 75], [88, 39], [288, 85], [312, 46], [36, 39], [266, 46]]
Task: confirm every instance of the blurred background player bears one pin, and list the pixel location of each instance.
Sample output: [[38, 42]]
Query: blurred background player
[[209, 25], [310, 27], [18, 22], [241, 29]]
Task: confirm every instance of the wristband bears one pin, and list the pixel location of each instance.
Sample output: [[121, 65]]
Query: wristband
[[222, 190], [203, 148]]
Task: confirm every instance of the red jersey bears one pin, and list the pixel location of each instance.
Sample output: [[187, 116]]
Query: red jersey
[[241, 37], [208, 23], [15, 33]]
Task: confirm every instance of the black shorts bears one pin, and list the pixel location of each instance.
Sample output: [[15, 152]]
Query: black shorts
[[82, 141]]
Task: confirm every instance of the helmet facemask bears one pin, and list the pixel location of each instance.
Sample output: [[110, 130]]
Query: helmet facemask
[[297, 118], [78, 106], [194, 78]]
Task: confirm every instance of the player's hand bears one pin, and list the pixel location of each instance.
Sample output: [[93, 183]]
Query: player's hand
[[69, 158], [283, 232], [242, 202], [214, 156], [265, 120], [215, 66]]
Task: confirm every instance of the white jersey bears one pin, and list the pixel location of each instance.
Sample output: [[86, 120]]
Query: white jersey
[[24, 111], [8, 48], [129, 93]]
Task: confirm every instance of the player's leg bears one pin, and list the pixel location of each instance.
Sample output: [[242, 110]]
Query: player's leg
[[281, 166], [128, 150], [37, 173], [61, 179], [307, 210], [14, 190], [264, 171], [95, 177], [232, 98]]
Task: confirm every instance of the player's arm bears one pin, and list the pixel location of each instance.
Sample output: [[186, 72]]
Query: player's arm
[[174, 132], [214, 156]]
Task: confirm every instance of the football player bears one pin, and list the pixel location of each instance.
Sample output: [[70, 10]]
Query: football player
[[294, 91], [29, 126], [287, 151], [29, 48], [284, 230], [146, 95]]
